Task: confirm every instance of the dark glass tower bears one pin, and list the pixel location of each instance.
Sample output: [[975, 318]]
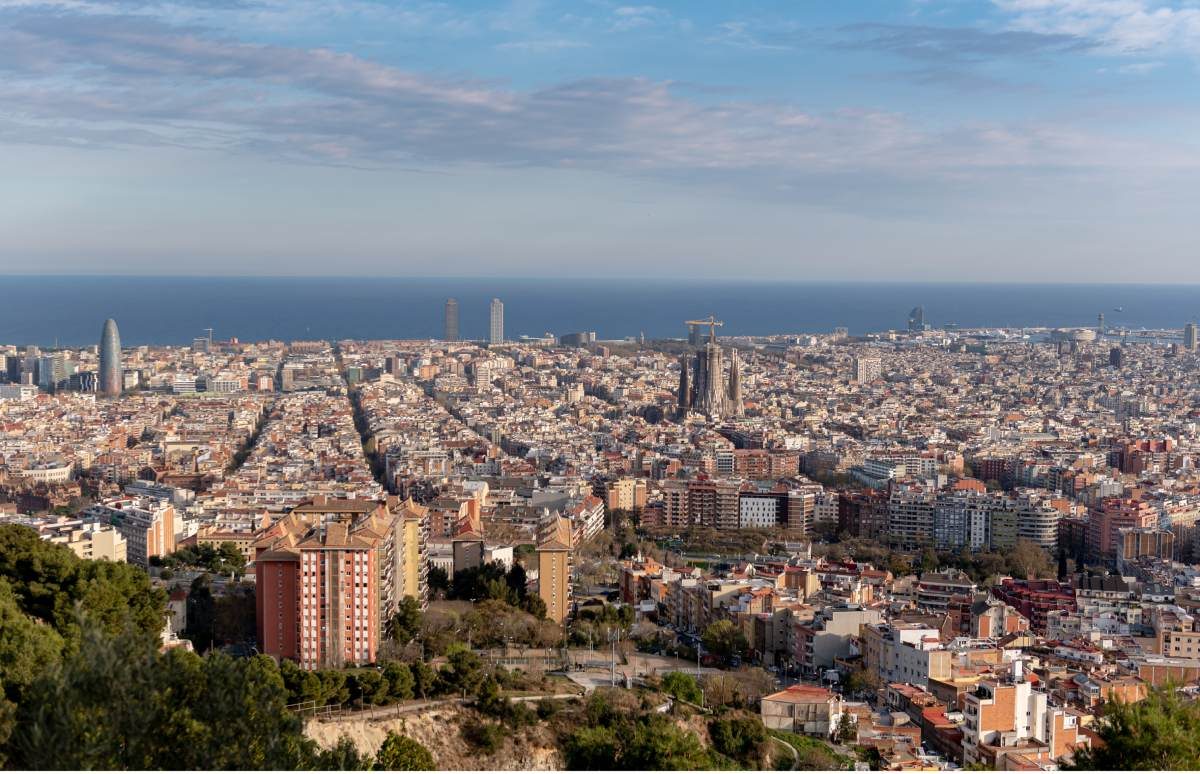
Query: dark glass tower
[[110, 359]]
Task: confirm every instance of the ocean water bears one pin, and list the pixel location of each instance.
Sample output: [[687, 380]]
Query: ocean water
[[174, 310]]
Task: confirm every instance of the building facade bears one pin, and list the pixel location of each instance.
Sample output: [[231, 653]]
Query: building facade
[[496, 322], [110, 360]]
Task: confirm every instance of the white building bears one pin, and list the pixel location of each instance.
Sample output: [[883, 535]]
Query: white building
[[18, 392], [758, 512]]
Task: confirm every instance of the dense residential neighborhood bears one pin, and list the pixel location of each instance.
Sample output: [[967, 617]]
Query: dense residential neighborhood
[[918, 550]]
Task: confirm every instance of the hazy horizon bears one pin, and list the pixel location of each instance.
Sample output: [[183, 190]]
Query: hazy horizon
[[702, 280], [166, 310]]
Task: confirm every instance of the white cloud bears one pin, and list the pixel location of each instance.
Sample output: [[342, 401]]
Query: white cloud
[[632, 17], [1119, 26], [139, 82]]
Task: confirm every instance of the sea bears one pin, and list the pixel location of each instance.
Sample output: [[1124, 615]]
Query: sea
[[69, 311]]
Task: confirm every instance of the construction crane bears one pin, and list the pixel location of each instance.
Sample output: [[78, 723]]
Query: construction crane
[[712, 322]]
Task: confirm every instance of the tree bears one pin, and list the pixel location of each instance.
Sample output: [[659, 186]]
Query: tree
[[424, 679], [517, 580], [402, 753], [721, 690], [929, 560], [847, 729], [724, 640], [343, 756], [753, 683], [1028, 560], [658, 744], [534, 605], [861, 681], [201, 614], [229, 560], [489, 701], [463, 672], [682, 686], [117, 703], [399, 680], [26, 646], [482, 736], [438, 580], [55, 586], [593, 748], [369, 687], [1159, 732], [406, 623], [741, 737], [234, 615]]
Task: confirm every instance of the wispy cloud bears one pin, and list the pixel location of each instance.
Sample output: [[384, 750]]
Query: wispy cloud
[[957, 45], [542, 45], [1117, 26], [634, 17], [139, 81], [92, 79]]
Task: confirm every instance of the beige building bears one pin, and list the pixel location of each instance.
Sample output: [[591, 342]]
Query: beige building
[[1180, 644], [146, 523], [554, 570], [802, 709], [628, 494], [1008, 716], [87, 540], [414, 564]]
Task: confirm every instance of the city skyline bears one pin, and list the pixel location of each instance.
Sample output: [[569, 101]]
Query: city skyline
[[157, 311], [981, 140]]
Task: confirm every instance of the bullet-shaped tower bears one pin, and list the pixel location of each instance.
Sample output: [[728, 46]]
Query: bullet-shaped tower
[[110, 359]]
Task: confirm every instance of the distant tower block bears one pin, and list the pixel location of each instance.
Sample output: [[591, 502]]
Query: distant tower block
[[1100, 323], [110, 360], [916, 319], [496, 329], [451, 329]]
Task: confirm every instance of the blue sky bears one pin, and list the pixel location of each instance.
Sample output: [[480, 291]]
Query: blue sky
[[1018, 140]]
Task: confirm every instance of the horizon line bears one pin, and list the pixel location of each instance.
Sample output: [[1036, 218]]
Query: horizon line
[[609, 278]]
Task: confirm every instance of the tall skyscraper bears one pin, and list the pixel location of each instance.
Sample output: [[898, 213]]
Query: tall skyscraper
[[110, 360], [916, 319], [1189, 337], [496, 332], [451, 319]]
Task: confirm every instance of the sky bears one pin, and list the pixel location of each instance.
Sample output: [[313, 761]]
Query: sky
[[989, 140]]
